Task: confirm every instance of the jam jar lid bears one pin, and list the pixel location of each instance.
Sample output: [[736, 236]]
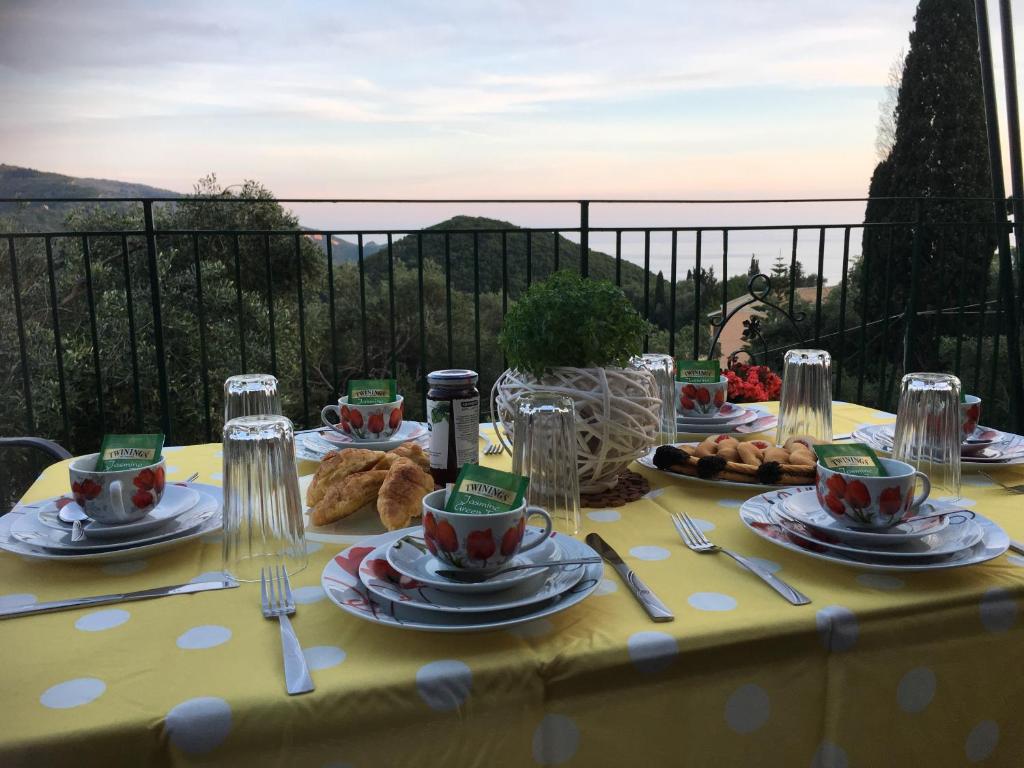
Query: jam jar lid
[[453, 377]]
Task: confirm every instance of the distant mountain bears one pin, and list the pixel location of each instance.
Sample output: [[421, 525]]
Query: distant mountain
[[28, 182], [345, 252]]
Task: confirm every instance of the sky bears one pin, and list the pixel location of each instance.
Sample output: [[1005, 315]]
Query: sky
[[466, 98]]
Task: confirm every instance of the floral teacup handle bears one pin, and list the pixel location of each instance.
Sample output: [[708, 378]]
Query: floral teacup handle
[[337, 412], [920, 498], [530, 512]]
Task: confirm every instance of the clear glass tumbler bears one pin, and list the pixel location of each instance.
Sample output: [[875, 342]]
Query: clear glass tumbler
[[928, 429], [664, 369], [544, 450], [262, 506], [251, 394], [805, 405]]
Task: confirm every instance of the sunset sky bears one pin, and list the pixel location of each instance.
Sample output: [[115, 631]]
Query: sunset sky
[[513, 98]]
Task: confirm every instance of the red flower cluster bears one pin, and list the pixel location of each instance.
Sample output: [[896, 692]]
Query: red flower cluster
[[352, 419], [148, 482], [439, 535], [752, 383], [87, 489]]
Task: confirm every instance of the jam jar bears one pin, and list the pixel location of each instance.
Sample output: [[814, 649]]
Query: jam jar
[[453, 418]]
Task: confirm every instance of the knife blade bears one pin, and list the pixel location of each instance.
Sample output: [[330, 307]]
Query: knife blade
[[650, 602], [145, 594], [1017, 547]]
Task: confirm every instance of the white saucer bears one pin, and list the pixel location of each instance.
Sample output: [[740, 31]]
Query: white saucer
[[421, 566], [29, 530], [756, 514], [383, 580], [727, 412], [803, 507], [176, 501], [410, 430], [341, 582]]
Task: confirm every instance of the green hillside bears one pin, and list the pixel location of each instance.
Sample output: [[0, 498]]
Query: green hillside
[[16, 181]]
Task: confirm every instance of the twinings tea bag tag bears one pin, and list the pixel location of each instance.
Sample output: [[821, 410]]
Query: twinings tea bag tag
[[484, 491], [698, 371], [851, 459], [371, 391], [128, 452]]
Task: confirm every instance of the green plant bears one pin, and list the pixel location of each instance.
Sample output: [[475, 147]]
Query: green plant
[[571, 321]]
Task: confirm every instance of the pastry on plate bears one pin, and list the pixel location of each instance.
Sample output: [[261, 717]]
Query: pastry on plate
[[721, 457], [347, 497], [337, 466], [401, 495]]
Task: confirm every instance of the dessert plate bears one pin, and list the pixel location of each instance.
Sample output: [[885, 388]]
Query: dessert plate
[[210, 496], [176, 501], [410, 430], [727, 412], [1007, 449], [340, 580], [383, 580], [418, 565], [802, 505], [951, 540], [757, 514], [648, 462]]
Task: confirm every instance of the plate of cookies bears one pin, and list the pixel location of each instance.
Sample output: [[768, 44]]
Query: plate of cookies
[[724, 460], [358, 492]]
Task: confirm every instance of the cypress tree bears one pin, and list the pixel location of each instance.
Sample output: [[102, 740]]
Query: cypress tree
[[940, 150]]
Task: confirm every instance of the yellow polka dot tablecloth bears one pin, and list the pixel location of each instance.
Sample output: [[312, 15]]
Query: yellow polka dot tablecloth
[[919, 669]]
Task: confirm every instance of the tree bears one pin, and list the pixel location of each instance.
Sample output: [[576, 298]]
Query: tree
[[755, 266], [939, 151]]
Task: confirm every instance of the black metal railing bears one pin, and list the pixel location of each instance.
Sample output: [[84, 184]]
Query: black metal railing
[[133, 325]]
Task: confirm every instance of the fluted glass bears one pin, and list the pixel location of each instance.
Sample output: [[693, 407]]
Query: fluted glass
[[805, 405], [262, 506], [928, 429], [544, 450], [663, 367], [251, 394]]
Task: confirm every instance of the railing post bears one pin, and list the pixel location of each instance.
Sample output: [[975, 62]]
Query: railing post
[[1006, 276], [915, 273], [158, 326], [584, 238]]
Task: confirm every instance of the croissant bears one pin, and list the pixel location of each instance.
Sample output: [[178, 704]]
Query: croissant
[[402, 492], [342, 499], [336, 467]]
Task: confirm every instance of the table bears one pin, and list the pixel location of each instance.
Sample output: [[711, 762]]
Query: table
[[921, 669]]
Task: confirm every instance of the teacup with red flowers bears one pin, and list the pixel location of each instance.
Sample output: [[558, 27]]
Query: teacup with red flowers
[[970, 413], [116, 496], [365, 422], [696, 400], [872, 502], [483, 542]]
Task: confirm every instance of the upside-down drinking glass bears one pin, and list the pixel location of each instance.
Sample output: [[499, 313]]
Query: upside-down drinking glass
[[251, 394], [928, 429], [544, 450], [805, 405], [663, 367], [262, 506]]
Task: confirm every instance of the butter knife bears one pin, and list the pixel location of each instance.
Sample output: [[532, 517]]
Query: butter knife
[[145, 594], [1017, 547], [654, 607]]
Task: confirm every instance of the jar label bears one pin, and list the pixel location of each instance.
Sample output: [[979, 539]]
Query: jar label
[[467, 430], [454, 427], [439, 416]]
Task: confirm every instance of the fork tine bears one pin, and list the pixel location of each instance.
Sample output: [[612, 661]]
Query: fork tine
[[280, 589], [263, 590], [698, 534], [682, 531], [289, 601]]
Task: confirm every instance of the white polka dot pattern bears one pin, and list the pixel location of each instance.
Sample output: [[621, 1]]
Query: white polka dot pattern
[[982, 741], [206, 636], [533, 629], [307, 595], [916, 690], [650, 553], [606, 587], [880, 581], [200, 725], [444, 685], [323, 656], [604, 516], [73, 693], [829, 755], [17, 600], [652, 652], [711, 601], [998, 610], [747, 709], [97, 621], [555, 740], [838, 628]]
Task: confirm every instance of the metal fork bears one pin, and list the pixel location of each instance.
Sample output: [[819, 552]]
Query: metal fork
[[695, 539], [493, 448], [278, 603]]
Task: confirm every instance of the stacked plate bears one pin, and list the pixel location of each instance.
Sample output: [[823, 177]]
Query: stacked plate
[[794, 519], [185, 512], [313, 445], [730, 418], [985, 446], [392, 579]]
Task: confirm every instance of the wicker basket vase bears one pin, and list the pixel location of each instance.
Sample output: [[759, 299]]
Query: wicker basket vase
[[617, 415]]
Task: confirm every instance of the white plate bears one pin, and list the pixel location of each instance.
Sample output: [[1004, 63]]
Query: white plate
[[756, 514], [956, 538], [803, 506], [348, 530], [1008, 450], [385, 582], [30, 531], [340, 580], [734, 412], [422, 566], [210, 496], [648, 462], [410, 430], [176, 501]]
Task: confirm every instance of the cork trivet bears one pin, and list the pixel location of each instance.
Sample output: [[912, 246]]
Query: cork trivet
[[630, 487]]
